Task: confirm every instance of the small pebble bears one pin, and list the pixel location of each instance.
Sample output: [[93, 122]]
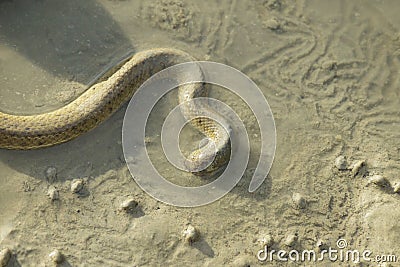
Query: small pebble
[[266, 240], [291, 240], [191, 234], [356, 167], [378, 180], [396, 187], [76, 185], [341, 163], [51, 174], [56, 256], [128, 205], [299, 201], [273, 24], [53, 193], [5, 256]]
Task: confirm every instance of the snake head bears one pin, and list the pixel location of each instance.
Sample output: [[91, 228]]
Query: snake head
[[207, 160]]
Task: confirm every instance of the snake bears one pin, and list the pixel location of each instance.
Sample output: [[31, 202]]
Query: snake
[[105, 97]]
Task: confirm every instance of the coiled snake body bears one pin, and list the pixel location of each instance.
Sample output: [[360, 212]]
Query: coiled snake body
[[102, 99]]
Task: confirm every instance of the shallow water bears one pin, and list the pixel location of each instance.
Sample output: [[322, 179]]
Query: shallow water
[[329, 70]]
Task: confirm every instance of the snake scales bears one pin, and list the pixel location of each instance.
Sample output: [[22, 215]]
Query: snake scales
[[102, 99]]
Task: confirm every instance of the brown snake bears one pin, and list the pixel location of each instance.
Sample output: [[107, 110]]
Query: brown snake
[[102, 99]]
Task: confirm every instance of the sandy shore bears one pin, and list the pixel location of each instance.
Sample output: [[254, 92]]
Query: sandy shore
[[330, 72]]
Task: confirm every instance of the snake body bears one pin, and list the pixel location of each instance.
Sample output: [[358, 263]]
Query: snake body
[[102, 99]]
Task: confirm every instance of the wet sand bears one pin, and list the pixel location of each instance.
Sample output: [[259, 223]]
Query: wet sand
[[329, 70]]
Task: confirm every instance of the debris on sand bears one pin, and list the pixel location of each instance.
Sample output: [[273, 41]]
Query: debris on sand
[[190, 234], [341, 163], [56, 256], [53, 193], [265, 240], [291, 240], [396, 187], [299, 201], [378, 180], [273, 24], [128, 205], [76, 185], [358, 168]]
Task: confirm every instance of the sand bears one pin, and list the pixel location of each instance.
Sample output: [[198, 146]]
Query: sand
[[329, 70]]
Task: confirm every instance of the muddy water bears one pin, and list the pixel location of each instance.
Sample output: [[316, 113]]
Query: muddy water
[[329, 70]]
